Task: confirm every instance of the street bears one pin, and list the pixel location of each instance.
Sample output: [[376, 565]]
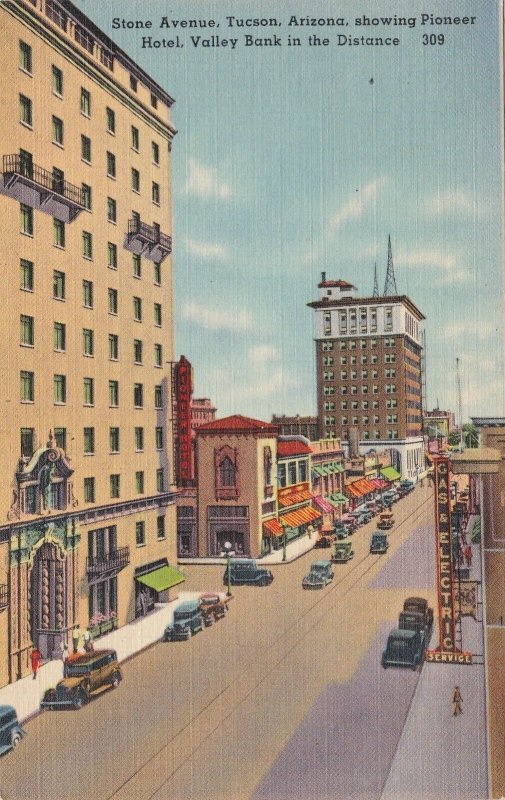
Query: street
[[283, 698]]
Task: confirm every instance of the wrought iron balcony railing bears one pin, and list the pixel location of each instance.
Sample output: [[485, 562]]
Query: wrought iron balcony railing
[[147, 240], [41, 189], [111, 562]]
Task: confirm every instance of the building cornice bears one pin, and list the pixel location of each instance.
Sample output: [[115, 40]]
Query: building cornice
[[329, 303]]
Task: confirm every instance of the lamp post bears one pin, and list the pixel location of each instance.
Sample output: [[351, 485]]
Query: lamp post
[[284, 539], [228, 550]]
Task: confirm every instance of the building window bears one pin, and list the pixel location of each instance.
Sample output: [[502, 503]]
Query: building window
[[89, 490], [25, 219], [87, 342], [390, 388], [111, 165], [160, 480], [135, 138], [113, 347], [157, 273], [327, 323], [389, 358], [25, 57], [137, 309], [60, 389], [58, 285], [154, 101], [110, 117], [342, 322], [85, 102], [388, 319], [135, 180], [113, 304], [27, 393], [281, 475], [137, 351], [114, 440], [137, 265], [58, 233], [160, 528], [158, 355], [139, 482], [111, 209], [158, 396], [157, 314], [25, 110], [113, 394], [155, 193], [106, 58], [86, 149], [57, 80], [60, 438], [89, 441], [83, 38], [139, 440], [329, 346], [133, 83], [89, 391], [155, 153], [86, 196], [27, 440], [159, 438], [138, 395], [87, 244], [114, 485], [111, 255], [59, 336], [87, 294], [57, 128], [26, 275], [291, 472], [26, 332], [140, 534]]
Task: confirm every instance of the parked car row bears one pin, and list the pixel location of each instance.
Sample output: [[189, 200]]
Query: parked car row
[[192, 616], [406, 644]]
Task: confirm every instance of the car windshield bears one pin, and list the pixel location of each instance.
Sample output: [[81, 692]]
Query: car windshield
[[75, 670], [399, 647]]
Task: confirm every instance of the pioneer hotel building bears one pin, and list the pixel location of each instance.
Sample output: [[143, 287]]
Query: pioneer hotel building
[[87, 516]]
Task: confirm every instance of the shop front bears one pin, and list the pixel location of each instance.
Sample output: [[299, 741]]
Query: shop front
[[152, 584]]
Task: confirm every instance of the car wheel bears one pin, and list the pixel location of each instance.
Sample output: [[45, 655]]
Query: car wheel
[[79, 699], [16, 738], [116, 679]]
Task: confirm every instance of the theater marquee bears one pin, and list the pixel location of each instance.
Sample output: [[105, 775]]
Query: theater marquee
[[446, 652]]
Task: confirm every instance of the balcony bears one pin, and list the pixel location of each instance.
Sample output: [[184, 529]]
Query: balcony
[[147, 240], [40, 189], [108, 563], [4, 596]]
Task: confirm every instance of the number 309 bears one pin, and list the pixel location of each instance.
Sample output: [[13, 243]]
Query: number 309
[[433, 38]]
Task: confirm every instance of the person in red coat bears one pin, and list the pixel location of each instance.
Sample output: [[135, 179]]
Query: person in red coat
[[35, 658]]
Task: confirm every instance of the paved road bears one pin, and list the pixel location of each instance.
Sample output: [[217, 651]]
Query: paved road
[[209, 718]]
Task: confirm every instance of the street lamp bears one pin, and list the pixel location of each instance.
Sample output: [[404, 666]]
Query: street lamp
[[228, 552], [284, 539]]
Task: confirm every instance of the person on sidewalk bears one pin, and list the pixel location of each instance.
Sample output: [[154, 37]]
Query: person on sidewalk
[[457, 701], [88, 644], [35, 658], [468, 556]]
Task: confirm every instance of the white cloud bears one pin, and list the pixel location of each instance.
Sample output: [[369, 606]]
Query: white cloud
[[262, 354], [204, 182], [451, 202], [217, 252], [481, 330], [450, 266], [269, 384], [363, 200], [217, 320]]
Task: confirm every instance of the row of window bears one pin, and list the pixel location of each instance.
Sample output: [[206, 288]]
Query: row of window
[[329, 375], [389, 388], [27, 283], [329, 405], [27, 440], [389, 358], [291, 473], [366, 434], [27, 339], [392, 419], [27, 391], [89, 493], [388, 341]]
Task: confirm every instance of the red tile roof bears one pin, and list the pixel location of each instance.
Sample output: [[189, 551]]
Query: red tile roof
[[292, 448], [238, 424], [341, 283]]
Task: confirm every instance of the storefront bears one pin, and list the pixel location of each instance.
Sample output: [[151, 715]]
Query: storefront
[[152, 584]]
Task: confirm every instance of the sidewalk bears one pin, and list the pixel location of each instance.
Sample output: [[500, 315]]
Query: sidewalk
[[439, 756], [293, 551]]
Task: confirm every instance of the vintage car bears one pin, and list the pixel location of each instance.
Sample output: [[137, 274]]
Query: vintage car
[[188, 620], [404, 648], [389, 497], [379, 542], [245, 570], [212, 607], [386, 521], [342, 553], [325, 539], [11, 731], [417, 615], [406, 485], [84, 675], [341, 530], [319, 575]]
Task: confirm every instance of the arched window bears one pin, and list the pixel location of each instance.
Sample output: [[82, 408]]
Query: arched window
[[227, 472]]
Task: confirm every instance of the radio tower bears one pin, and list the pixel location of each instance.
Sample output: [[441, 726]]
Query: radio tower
[[375, 282], [390, 284]]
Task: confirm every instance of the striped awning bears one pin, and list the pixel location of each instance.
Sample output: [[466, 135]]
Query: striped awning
[[293, 499], [318, 470], [360, 487], [293, 519], [390, 474], [323, 504], [379, 483], [272, 527]]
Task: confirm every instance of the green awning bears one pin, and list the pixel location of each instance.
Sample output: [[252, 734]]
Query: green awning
[[390, 474], [337, 499], [476, 531], [318, 471], [162, 578]]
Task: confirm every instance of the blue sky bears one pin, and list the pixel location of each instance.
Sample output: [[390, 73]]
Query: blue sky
[[289, 161]]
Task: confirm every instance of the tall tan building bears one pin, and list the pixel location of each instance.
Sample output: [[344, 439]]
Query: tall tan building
[[368, 372], [87, 519]]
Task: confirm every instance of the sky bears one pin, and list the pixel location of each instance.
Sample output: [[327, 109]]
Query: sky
[[294, 160]]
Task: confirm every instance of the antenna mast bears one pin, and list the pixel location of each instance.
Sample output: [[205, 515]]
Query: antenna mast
[[390, 284], [375, 282]]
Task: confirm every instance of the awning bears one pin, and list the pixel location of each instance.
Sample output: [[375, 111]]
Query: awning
[[360, 487], [379, 483], [293, 499], [161, 578], [272, 527], [293, 519], [318, 471], [323, 504], [390, 473], [337, 499]]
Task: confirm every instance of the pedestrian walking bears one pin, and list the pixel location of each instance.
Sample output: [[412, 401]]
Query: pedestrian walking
[[88, 644], [76, 634], [468, 556], [35, 658], [457, 701]]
